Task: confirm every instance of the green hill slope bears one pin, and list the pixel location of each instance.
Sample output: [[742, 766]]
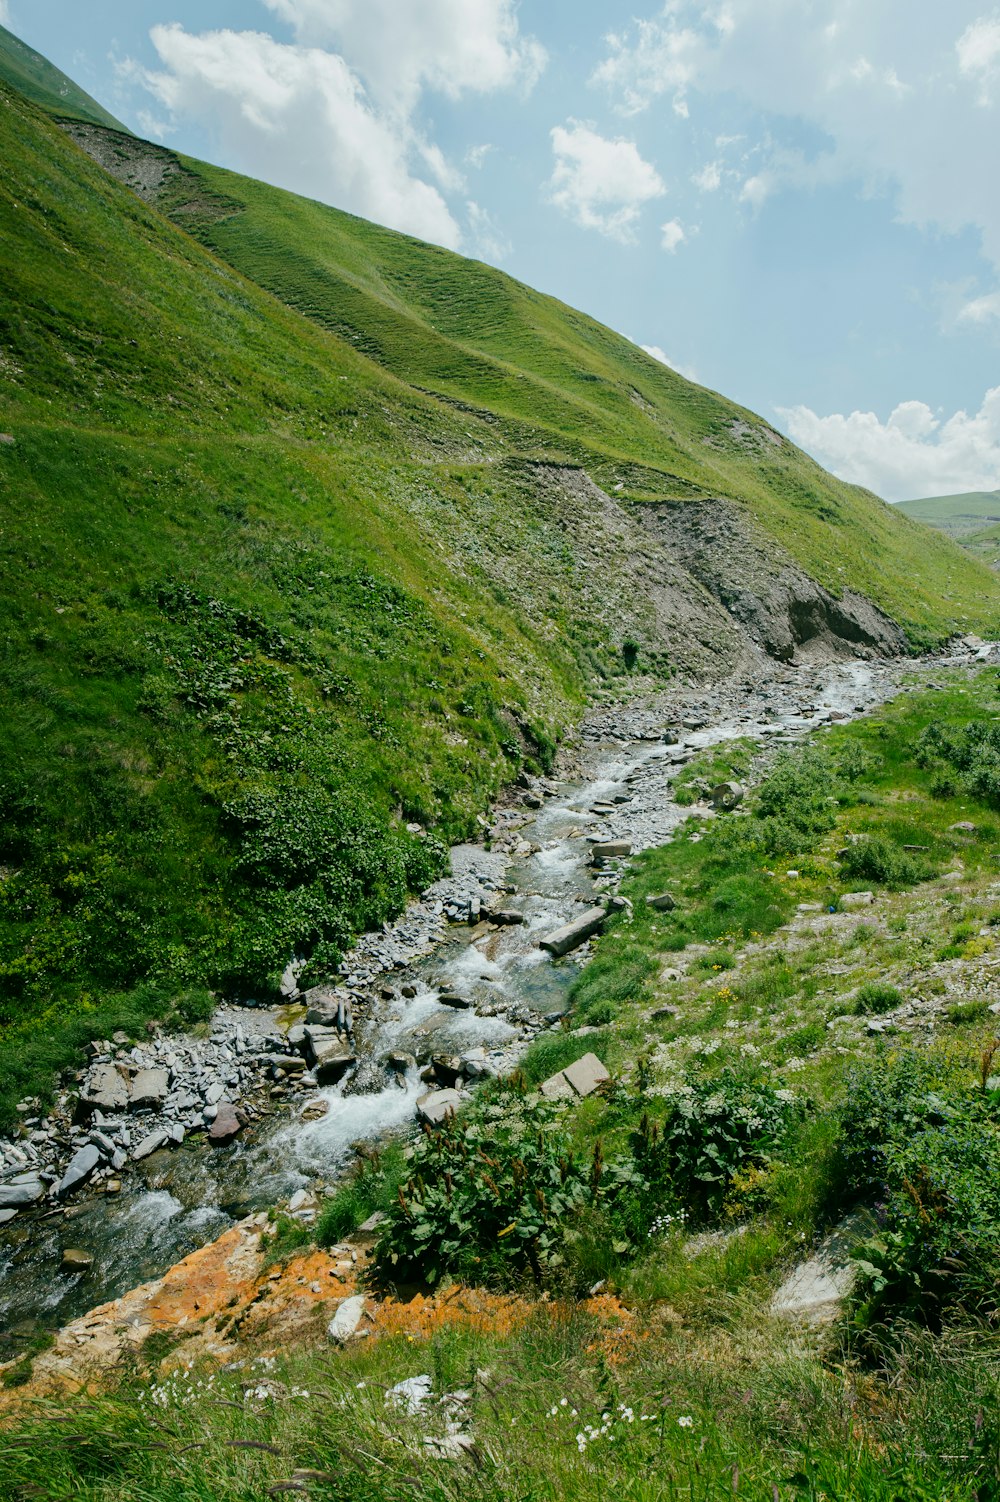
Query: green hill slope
[[305, 552], [36, 78], [957, 515]]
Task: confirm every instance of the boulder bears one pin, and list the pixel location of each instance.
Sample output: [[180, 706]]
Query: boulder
[[347, 1319], [610, 850], [438, 1105], [6, 1216], [75, 1260], [21, 1191], [105, 1090], [506, 917], [149, 1089], [663, 902], [226, 1124], [79, 1169], [452, 999], [332, 1060], [562, 940]]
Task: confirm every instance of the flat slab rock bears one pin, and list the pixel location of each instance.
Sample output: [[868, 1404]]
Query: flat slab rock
[[437, 1105], [562, 940], [576, 1080], [814, 1291]]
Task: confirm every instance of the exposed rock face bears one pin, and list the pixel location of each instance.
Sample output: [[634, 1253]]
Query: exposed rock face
[[763, 589]]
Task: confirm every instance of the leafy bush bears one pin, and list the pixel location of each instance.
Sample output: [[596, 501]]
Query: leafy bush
[[877, 996], [877, 859], [924, 1137], [712, 1130], [491, 1195]]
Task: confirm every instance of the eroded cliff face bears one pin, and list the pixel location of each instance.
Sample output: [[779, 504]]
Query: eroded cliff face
[[766, 594]]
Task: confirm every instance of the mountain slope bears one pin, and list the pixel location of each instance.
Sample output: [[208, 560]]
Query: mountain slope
[[305, 552], [37, 79], [552, 381]]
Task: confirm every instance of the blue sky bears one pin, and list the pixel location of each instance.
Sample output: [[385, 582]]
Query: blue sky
[[793, 201]]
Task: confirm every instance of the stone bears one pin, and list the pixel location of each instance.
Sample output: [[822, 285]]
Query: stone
[[24, 1190], [149, 1089], [332, 1060], [408, 991], [79, 1169], [586, 1074], [316, 1110], [452, 999], [815, 1290], [663, 902], [577, 1080], [726, 795], [150, 1144], [226, 1124], [506, 917], [75, 1260], [572, 934], [851, 900], [6, 1216], [437, 1105], [609, 850], [103, 1090], [347, 1319]]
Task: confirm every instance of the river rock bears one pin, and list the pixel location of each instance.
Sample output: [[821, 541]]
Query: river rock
[[103, 1090], [79, 1169], [609, 850], [226, 1124], [562, 940], [149, 1089], [150, 1144], [347, 1319], [21, 1191], [332, 1059], [75, 1260], [506, 917], [452, 999], [663, 902], [6, 1216], [438, 1105]]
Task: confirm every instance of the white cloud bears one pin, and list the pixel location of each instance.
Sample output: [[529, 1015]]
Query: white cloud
[[601, 184], [4, 13], [476, 155], [486, 240], [687, 371], [896, 108], [914, 453], [671, 235], [709, 179], [401, 47], [298, 117], [980, 309], [978, 50]]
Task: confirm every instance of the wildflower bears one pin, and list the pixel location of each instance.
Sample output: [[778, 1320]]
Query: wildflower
[[564, 1402], [685, 1421]]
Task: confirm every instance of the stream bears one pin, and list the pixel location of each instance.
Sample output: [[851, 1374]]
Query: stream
[[174, 1202]]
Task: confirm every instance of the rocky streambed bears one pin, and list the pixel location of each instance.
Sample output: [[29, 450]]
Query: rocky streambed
[[165, 1141]]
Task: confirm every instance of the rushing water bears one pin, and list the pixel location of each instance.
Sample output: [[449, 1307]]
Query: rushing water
[[176, 1202]]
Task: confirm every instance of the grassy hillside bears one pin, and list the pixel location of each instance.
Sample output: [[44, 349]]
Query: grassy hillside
[[957, 515], [290, 585], [37, 79], [565, 386]]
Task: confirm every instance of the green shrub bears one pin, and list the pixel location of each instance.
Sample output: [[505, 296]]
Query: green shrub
[[877, 996], [877, 859]]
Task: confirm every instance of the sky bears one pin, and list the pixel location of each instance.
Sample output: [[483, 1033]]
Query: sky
[[793, 202]]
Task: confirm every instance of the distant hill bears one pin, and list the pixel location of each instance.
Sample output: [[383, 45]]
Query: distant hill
[[958, 515], [43, 83]]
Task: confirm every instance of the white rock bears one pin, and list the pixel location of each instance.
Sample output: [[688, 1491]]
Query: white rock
[[347, 1318]]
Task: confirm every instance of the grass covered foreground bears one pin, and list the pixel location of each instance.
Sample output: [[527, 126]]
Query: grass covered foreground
[[808, 1061]]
